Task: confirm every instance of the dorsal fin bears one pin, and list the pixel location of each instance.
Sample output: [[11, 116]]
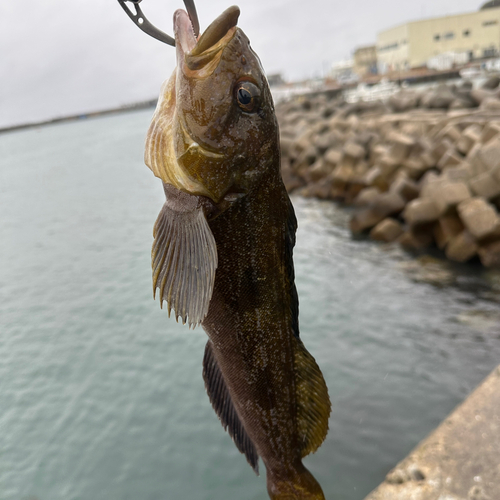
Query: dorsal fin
[[313, 403], [223, 405], [184, 257]]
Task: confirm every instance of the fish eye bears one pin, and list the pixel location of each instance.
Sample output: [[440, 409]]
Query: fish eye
[[247, 95]]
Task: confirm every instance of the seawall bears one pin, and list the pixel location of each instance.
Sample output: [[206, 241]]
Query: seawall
[[460, 460]]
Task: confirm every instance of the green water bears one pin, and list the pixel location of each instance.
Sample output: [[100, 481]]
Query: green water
[[101, 395]]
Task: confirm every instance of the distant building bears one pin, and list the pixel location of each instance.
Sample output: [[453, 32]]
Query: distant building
[[343, 72], [412, 44], [275, 79], [365, 61]]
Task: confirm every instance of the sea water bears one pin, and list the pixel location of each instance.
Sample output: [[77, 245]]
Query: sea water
[[101, 394]]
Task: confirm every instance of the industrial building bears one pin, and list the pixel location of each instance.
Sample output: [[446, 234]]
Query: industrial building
[[365, 60], [473, 35]]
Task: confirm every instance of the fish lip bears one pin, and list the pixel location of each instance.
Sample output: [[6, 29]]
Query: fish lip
[[210, 42], [185, 39]]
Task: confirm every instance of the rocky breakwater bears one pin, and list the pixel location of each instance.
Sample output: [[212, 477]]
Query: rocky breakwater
[[421, 169]]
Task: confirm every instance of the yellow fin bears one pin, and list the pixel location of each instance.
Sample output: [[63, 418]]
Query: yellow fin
[[313, 403]]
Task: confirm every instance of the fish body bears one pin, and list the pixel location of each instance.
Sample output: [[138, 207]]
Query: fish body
[[222, 255]]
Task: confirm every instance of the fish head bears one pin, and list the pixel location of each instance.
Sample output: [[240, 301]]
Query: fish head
[[214, 132]]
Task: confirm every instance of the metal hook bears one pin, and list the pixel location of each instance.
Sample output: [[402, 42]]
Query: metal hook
[[142, 22]]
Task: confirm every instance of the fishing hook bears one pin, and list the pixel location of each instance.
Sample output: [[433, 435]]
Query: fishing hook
[[141, 21]]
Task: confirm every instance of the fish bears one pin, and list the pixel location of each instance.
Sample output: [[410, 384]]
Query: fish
[[222, 255]]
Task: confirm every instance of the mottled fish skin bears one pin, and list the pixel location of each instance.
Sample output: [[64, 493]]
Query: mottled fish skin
[[223, 248]]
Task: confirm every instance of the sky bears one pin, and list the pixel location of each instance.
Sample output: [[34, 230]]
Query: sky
[[66, 57]]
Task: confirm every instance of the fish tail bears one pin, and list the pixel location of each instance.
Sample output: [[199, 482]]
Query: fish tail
[[298, 484]]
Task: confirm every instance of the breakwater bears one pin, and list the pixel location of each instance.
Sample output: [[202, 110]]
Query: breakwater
[[422, 169]]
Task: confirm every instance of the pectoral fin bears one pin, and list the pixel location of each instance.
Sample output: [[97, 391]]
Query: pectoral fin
[[184, 257], [223, 405], [313, 403]]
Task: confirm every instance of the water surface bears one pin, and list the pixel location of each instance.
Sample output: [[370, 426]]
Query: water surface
[[101, 395]]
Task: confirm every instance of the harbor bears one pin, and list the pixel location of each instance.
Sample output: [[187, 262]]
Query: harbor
[[383, 121]]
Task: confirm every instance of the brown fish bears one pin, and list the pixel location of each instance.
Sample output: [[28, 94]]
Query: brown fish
[[222, 254]]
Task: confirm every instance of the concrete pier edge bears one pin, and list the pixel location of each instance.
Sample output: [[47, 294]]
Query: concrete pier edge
[[459, 460]]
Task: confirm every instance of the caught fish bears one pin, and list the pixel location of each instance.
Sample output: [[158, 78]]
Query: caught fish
[[222, 252]]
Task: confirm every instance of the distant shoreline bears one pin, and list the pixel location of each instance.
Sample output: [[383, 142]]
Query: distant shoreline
[[82, 116]]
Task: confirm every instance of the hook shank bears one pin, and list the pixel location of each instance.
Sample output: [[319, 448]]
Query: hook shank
[[141, 21]]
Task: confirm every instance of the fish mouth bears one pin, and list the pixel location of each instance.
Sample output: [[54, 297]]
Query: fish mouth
[[198, 53]]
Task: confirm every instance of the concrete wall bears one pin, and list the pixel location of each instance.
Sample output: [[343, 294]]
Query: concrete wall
[[460, 460]]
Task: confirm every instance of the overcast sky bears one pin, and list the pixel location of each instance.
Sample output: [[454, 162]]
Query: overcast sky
[[61, 57]]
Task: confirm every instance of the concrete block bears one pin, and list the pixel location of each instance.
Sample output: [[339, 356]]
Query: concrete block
[[439, 237], [459, 460], [377, 152], [490, 153], [361, 167], [479, 95], [415, 167], [364, 219], [495, 172], [429, 184], [332, 156], [388, 204], [449, 194], [450, 159], [490, 254], [366, 197], [462, 247], [479, 217], [447, 227], [401, 145], [474, 159], [403, 101], [387, 230], [469, 137], [340, 176], [421, 211], [307, 157], [490, 104], [485, 185], [354, 187], [438, 98], [354, 151], [321, 189], [490, 130], [460, 103], [375, 178], [462, 172], [451, 132], [428, 159], [491, 83], [405, 187], [287, 146], [384, 205], [416, 238], [303, 141], [318, 170], [322, 142], [440, 148], [424, 142], [388, 166]]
